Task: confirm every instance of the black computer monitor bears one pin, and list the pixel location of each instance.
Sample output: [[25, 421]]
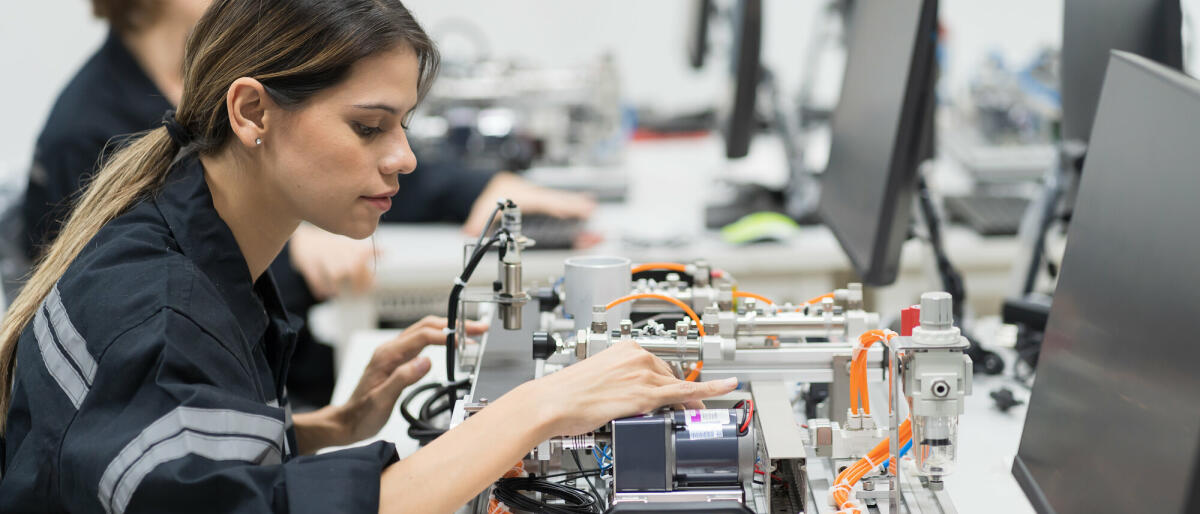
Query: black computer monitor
[[697, 43], [880, 132], [745, 72], [1114, 418], [1091, 28], [736, 115]]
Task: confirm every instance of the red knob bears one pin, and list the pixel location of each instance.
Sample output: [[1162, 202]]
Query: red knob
[[909, 318]]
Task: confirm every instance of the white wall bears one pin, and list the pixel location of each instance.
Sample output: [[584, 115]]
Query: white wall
[[42, 42], [1016, 28], [646, 37]]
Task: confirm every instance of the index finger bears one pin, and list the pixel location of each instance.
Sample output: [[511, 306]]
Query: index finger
[[688, 392], [475, 328], [428, 321], [414, 339]]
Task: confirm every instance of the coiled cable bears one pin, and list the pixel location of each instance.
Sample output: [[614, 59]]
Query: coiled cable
[[509, 491], [420, 426]]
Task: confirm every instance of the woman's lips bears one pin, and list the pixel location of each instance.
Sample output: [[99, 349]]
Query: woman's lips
[[383, 203]]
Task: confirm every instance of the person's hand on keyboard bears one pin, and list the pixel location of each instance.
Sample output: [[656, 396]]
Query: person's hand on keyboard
[[331, 263], [530, 198]]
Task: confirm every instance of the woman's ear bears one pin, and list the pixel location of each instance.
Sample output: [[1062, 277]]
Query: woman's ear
[[247, 102]]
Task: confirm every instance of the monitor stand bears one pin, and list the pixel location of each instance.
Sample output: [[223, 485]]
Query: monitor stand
[[952, 281], [1025, 308], [799, 197]]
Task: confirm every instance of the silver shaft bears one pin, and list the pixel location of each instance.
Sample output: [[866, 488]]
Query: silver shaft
[[894, 419]]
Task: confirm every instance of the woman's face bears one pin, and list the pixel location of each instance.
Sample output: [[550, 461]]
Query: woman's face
[[334, 161]]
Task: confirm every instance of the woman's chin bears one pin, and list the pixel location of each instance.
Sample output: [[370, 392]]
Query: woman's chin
[[363, 230], [355, 229]]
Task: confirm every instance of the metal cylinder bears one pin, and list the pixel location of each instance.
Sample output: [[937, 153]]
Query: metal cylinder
[[670, 349], [595, 280], [788, 326], [511, 313], [512, 278]]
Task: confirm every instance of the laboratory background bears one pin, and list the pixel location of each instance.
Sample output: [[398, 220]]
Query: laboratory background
[[978, 217]]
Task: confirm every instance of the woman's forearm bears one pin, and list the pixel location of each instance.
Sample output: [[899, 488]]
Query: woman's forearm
[[455, 467], [319, 429]]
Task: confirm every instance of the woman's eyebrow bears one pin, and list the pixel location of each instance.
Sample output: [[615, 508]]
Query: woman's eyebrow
[[378, 106]]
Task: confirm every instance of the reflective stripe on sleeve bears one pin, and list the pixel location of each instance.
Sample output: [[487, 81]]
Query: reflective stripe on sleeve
[[71, 341], [67, 377], [216, 434]]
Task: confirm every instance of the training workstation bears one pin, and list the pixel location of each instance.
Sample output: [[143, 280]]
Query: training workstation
[[943, 247]]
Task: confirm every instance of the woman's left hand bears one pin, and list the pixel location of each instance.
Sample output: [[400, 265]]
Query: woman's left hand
[[394, 366]]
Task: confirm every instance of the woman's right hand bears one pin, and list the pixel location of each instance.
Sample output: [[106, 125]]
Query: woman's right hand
[[622, 381]]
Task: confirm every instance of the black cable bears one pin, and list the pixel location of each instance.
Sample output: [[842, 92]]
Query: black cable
[[590, 483], [455, 292], [952, 279], [743, 426], [508, 491], [570, 475], [421, 427], [413, 421], [450, 391], [487, 226]]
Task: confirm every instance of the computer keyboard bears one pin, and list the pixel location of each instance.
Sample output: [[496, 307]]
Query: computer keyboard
[[988, 215]]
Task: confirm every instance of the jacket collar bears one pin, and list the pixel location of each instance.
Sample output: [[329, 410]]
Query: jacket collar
[[186, 204]]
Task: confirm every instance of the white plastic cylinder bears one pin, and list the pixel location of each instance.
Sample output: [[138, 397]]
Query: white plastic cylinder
[[596, 280]]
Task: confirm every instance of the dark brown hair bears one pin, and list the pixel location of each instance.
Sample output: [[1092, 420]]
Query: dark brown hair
[[295, 48]]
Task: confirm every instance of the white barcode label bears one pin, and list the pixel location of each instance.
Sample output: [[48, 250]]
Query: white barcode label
[[694, 416], [705, 431]]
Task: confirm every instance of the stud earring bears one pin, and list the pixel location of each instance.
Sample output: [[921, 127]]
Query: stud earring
[[258, 140]]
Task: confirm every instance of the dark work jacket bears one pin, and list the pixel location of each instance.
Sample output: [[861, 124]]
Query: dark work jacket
[[151, 380]]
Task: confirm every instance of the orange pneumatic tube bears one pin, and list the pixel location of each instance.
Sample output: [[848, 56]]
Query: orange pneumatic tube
[[668, 299], [744, 294], [860, 399], [671, 266], [815, 299], [844, 484]]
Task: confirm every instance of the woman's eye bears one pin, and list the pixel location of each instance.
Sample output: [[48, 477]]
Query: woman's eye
[[366, 131]]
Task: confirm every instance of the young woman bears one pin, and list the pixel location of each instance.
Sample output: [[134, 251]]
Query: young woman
[[141, 368], [137, 74]]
